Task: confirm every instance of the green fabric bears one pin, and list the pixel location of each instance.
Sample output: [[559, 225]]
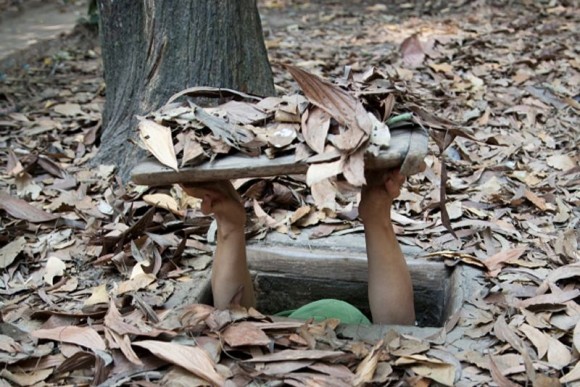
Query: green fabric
[[327, 308]]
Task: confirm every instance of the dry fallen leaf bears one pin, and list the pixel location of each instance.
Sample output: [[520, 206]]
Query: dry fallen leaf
[[497, 375], [9, 252], [412, 51], [315, 125], [559, 356], [366, 369], [55, 267], [318, 172], [84, 336], [68, 109], [245, 333], [539, 339], [572, 376], [496, 262], [98, 296], [22, 210], [522, 112], [440, 373], [549, 299], [164, 201], [342, 106], [139, 280], [561, 162], [157, 139], [193, 359]]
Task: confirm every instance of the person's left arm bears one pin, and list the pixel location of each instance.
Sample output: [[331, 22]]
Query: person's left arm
[[231, 282]]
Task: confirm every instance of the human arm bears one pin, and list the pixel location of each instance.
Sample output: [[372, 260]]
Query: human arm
[[231, 282], [390, 288]]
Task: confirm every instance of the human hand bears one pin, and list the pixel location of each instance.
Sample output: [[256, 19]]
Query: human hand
[[221, 199], [378, 194]]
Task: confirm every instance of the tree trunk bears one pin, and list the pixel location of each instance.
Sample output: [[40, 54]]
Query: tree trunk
[[153, 49]]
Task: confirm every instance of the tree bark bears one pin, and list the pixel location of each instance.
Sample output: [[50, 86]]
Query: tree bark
[[153, 49]]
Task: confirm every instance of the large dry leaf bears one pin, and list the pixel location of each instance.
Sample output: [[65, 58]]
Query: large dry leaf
[[245, 333], [123, 342], [8, 344], [323, 171], [157, 139], [366, 369], [496, 262], [115, 322], [83, 336], [192, 149], [440, 373], [505, 333], [559, 356], [22, 210], [497, 375], [9, 252], [337, 370], [300, 379], [549, 299], [193, 359], [342, 106], [315, 125], [263, 217], [563, 272], [539, 339], [178, 377], [139, 281], [354, 168]]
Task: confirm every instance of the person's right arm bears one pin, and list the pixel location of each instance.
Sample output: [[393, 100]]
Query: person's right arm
[[390, 288]]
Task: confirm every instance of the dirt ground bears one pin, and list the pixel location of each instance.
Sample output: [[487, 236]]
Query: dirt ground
[[77, 305]]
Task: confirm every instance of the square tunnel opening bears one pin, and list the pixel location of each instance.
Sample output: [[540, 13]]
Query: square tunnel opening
[[290, 277], [289, 273]]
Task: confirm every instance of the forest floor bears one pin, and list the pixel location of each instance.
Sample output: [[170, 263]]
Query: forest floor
[[81, 304]]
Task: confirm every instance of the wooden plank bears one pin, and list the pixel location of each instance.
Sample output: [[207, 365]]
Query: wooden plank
[[151, 172], [351, 241], [339, 265]]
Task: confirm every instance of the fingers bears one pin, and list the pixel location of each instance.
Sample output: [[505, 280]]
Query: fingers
[[207, 205], [393, 182]]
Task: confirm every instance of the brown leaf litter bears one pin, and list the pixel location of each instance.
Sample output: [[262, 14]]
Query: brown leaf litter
[[116, 255]]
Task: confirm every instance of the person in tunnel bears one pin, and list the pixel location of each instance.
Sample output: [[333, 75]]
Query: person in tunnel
[[390, 289]]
